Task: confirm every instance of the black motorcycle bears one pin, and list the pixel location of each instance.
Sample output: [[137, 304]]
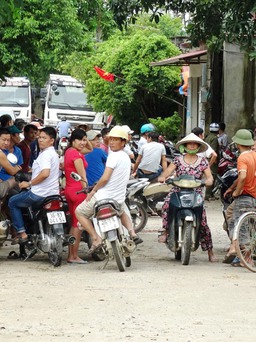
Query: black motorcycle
[[44, 224], [184, 217]]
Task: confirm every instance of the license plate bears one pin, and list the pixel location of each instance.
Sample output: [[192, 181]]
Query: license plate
[[56, 217], [108, 224]]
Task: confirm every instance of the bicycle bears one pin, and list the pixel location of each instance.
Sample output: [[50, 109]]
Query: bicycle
[[245, 237]]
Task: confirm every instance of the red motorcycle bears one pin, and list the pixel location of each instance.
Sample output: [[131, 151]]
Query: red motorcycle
[[228, 160]]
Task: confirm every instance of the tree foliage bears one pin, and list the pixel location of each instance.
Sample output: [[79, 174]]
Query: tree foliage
[[37, 36], [139, 91], [169, 127], [211, 20]]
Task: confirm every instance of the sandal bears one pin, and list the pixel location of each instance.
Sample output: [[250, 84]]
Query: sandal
[[137, 240], [162, 236], [95, 248]]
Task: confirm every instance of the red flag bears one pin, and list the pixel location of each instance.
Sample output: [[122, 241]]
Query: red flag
[[105, 75]]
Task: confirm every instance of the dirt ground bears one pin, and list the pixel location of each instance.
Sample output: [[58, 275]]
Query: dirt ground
[[156, 299]]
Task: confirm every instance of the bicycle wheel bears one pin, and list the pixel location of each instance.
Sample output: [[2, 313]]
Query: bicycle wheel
[[245, 238]]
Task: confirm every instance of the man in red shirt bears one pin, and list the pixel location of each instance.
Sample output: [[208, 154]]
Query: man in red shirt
[[30, 134]]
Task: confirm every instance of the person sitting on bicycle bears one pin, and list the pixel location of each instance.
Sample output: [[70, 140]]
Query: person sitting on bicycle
[[189, 163], [112, 185], [243, 190]]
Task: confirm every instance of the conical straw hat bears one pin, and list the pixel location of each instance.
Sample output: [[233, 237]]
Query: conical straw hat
[[192, 138]]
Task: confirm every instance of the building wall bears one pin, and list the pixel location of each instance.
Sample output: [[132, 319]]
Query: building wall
[[239, 87]]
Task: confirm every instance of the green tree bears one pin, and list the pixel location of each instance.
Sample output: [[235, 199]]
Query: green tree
[[36, 38], [211, 20], [139, 91]]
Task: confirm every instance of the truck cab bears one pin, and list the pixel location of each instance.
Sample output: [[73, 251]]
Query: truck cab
[[16, 98], [63, 95]]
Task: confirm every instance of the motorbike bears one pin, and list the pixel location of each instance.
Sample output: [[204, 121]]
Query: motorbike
[[222, 184], [44, 227], [184, 217], [228, 160], [170, 149], [62, 145], [137, 210], [151, 196], [117, 243]]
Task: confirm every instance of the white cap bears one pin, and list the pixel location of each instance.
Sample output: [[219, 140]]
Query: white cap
[[127, 128]]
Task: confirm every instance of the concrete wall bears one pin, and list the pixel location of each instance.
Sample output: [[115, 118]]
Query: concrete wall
[[239, 86]]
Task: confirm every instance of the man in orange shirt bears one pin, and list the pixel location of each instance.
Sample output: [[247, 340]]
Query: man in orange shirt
[[244, 188]]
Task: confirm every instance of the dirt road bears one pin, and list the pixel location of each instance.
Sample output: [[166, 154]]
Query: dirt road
[[156, 299]]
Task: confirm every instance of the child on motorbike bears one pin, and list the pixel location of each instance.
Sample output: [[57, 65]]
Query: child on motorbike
[[189, 163]]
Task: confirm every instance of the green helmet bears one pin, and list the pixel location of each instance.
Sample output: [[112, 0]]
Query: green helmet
[[243, 137]]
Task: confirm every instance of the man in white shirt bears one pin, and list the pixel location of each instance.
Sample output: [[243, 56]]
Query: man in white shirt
[[44, 181], [151, 156], [112, 184]]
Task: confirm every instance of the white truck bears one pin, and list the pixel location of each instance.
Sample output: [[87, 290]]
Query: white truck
[[16, 98], [63, 95]]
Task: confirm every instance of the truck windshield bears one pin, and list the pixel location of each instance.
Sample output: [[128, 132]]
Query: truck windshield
[[68, 97], [14, 96]]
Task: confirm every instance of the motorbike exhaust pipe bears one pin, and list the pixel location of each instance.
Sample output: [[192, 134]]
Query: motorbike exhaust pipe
[[130, 246], [69, 240]]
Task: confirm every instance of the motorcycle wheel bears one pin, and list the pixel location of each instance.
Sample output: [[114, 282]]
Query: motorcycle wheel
[[187, 240], [55, 253], [120, 259], [139, 216], [246, 240]]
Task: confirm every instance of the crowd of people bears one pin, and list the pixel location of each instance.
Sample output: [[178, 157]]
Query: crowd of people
[[105, 161]]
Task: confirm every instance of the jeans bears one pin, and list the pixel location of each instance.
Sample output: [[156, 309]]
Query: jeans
[[149, 176], [24, 199]]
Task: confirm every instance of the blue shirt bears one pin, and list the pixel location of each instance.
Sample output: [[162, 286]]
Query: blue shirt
[[63, 128], [96, 165], [17, 152]]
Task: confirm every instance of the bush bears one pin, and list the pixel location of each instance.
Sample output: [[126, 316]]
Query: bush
[[169, 127]]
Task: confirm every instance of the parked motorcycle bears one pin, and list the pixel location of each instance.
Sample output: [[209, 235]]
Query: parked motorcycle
[[184, 217], [44, 227], [117, 243], [150, 195], [228, 160], [137, 210]]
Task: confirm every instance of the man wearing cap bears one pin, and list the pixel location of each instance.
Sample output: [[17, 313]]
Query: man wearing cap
[[96, 159], [243, 190], [112, 184], [14, 141]]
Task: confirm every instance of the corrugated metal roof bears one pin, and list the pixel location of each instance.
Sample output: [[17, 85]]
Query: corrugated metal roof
[[192, 57]]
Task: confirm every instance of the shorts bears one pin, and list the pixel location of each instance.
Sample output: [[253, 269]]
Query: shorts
[[4, 188], [87, 208]]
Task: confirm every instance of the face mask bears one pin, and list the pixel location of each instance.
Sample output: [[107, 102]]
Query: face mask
[[192, 151]]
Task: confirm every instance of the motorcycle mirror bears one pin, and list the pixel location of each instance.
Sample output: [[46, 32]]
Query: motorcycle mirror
[[75, 176], [12, 158]]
